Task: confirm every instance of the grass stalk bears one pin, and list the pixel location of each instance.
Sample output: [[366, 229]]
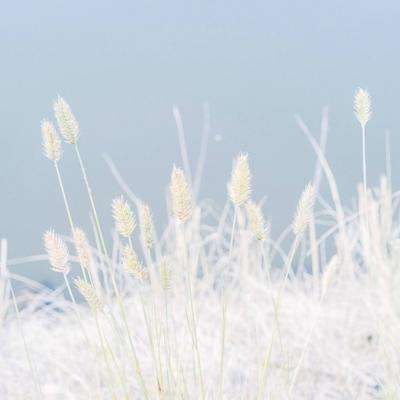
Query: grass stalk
[[192, 312], [112, 274], [68, 210]]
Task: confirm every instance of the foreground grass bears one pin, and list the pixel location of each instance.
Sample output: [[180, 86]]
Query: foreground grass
[[213, 308]]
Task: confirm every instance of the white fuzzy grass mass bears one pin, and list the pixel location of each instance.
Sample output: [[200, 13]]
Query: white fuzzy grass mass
[[292, 330]]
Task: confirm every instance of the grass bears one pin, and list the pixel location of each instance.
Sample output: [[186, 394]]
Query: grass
[[212, 307]]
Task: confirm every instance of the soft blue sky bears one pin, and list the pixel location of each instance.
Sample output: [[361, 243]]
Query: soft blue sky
[[123, 64]]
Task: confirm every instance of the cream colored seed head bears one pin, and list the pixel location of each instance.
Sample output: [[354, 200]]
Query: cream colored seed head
[[57, 251], [165, 274], [82, 248], [239, 186], [89, 294], [146, 225], [125, 221], [132, 265], [180, 195], [304, 210], [66, 121], [256, 221], [362, 106], [51, 141]]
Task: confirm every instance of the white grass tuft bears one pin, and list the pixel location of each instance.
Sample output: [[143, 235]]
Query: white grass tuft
[[66, 121], [304, 210], [125, 221], [362, 106], [51, 141], [57, 251], [239, 186], [180, 195]]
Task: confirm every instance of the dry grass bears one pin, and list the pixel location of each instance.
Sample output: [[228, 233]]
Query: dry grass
[[213, 307]]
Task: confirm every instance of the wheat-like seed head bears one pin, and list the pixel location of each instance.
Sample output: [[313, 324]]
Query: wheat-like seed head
[[239, 186], [165, 274], [362, 106], [82, 248], [51, 141], [57, 251], [180, 195], [89, 294], [125, 221], [132, 265], [256, 221], [146, 225], [66, 121], [329, 273], [304, 210]]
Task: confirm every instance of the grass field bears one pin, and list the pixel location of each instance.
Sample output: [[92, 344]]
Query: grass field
[[211, 306]]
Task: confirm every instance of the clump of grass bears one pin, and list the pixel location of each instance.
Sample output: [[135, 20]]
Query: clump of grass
[[218, 309]]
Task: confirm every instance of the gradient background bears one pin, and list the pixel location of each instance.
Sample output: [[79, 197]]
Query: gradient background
[[122, 65]]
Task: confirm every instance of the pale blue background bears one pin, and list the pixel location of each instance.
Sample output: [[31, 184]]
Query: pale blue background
[[123, 64]]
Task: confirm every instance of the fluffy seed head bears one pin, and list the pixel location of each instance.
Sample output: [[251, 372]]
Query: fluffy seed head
[[256, 221], [146, 225], [57, 251], [66, 121], [125, 221], [304, 210], [239, 186], [329, 274], [180, 195], [51, 141], [165, 275], [132, 265], [362, 106], [82, 248], [89, 294]]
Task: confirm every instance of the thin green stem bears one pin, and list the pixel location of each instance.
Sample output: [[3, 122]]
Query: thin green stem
[[68, 211], [91, 200]]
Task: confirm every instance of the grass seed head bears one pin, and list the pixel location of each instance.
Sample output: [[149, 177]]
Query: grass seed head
[[146, 225], [51, 141], [132, 264], [256, 221], [180, 195], [304, 210], [66, 121], [239, 186], [125, 221], [57, 251], [82, 248], [165, 274], [362, 106], [89, 294]]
